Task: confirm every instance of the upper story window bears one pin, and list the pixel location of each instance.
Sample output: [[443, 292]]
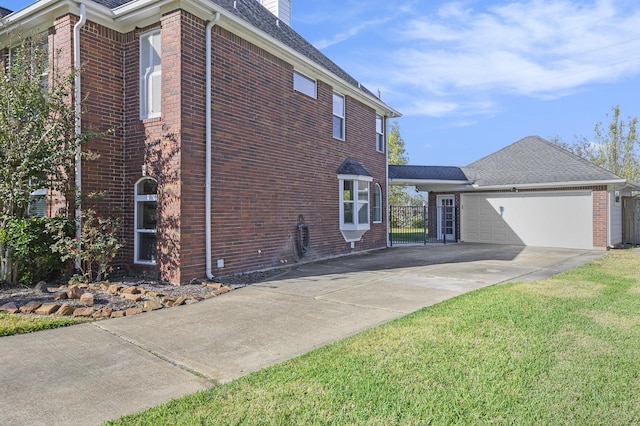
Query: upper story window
[[150, 75], [304, 84], [377, 203], [32, 55], [338, 116], [379, 134]]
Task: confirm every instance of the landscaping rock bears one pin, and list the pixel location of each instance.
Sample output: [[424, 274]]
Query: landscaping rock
[[104, 312], [65, 310], [133, 311], [47, 309], [179, 301], [9, 308], [130, 290], [151, 305], [74, 292], [83, 312], [114, 289], [60, 295], [42, 287], [30, 307], [87, 299], [134, 297], [117, 314]]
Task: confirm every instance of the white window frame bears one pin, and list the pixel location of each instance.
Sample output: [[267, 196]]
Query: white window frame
[[377, 204], [354, 230], [380, 139], [139, 199], [150, 75], [305, 85], [339, 115]]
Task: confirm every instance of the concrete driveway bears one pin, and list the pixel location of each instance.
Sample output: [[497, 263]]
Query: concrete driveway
[[90, 373]]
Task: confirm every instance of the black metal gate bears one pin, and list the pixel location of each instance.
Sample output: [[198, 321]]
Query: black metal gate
[[419, 225]]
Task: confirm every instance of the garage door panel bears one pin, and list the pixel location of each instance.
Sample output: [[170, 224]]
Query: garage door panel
[[536, 219]]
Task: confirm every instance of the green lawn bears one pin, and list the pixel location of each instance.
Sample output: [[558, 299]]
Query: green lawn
[[407, 235], [17, 324], [560, 351]]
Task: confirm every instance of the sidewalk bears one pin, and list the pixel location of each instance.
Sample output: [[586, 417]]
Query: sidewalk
[[86, 374]]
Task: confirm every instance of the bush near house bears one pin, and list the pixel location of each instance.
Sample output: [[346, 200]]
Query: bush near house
[[30, 245]]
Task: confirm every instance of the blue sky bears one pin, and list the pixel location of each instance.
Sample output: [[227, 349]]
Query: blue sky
[[472, 76]]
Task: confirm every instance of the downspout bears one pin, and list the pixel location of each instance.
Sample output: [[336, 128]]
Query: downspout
[[208, 153], [78, 112], [386, 190]]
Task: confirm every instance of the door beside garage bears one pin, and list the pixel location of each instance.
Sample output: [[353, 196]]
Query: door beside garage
[[544, 219]]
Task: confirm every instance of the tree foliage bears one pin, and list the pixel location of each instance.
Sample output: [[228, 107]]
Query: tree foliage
[[37, 135], [399, 195], [615, 146]]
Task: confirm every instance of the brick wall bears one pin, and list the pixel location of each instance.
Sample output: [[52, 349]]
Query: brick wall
[[274, 158], [600, 216]]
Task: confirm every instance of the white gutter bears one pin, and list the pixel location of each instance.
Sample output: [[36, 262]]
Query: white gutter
[[78, 112], [208, 154]]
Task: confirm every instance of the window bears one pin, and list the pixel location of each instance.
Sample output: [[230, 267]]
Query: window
[[354, 206], [338, 116], [304, 84], [38, 203], [377, 204], [150, 75], [379, 134], [32, 53], [146, 218]]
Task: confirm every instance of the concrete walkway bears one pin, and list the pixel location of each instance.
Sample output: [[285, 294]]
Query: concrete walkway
[[86, 374]]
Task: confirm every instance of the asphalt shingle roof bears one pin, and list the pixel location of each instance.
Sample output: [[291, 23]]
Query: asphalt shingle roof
[[426, 173], [351, 166], [259, 17], [533, 160], [4, 11]]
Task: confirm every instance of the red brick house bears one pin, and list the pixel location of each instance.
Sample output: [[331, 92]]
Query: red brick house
[[234, 141]]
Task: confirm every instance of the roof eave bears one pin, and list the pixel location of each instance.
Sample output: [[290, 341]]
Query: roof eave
[[622, 182], [414, 182]]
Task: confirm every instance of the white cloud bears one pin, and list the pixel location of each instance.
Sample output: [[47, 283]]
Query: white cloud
[[338, 38], [534, 48]]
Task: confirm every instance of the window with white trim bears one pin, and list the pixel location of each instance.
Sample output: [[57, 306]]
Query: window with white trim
[[354, 206], [379, 133], [150, 75], [377, 203], [146, 219], [304, 84], [338, 116]]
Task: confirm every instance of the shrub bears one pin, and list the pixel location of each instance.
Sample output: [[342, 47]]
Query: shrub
[[30, 246], [99, 244]]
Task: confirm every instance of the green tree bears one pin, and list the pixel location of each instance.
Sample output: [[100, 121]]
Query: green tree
[[37, 136], [400, 195], [615, 146]]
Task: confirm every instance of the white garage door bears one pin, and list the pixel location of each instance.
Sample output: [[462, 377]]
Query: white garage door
[[544, 219]]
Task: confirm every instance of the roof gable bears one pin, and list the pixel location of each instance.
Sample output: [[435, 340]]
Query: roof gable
[[352, 167], [533, 160]]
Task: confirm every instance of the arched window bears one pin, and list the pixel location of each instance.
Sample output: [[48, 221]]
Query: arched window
[[377, 203], [146, 218]]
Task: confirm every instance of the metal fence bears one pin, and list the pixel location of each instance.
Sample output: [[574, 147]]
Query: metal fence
[[421, 225]]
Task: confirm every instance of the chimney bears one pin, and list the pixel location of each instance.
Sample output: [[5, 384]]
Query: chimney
[[280, 8]]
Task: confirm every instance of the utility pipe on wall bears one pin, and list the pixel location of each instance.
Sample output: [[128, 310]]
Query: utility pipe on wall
[[208, 154], [78, 112]]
